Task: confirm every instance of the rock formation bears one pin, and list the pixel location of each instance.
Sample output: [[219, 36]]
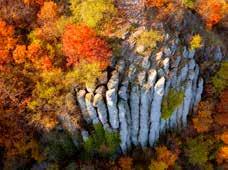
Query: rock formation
[[131, 103]]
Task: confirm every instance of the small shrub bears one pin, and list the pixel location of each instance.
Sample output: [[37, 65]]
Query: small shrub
[[149, 39], [196, 42], [170, 102], [102, 142], [220, 80]]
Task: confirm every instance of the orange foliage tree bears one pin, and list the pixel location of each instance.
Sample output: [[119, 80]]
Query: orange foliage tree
[[81, 43], [222, 154], [7, 44], [212, 11], [19, 54], [156, 3], [164, 158], [222, 116], [165, 155], [203, 120], [48, 11], [47, 18], [125, 163]]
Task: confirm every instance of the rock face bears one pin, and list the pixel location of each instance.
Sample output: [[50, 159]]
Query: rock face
[[130, 100]]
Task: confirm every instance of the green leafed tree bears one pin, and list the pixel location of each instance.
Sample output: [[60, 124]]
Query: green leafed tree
[[102, 142], [220, 80], [170, 102]]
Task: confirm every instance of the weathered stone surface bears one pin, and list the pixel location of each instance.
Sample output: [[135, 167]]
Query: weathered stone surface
[[179, 116], [166, 65], [191, 54], [155, 112], [146, 63], [85, 135], [218, 54], [167, 51], [144, 115], [132, 72], [123, 93], [111, 99], [199, 92], [187, 102], [185, 52], [154, 133], [176, 63], [182, 74], [134, 107], [141, 78], [101, 108], [114, 80], [90, 108], [152, 75], [82, 105], [103, 79], [191, 64], [101, 90], [159, 56], [172, 120], [124, 127], [120, 66]]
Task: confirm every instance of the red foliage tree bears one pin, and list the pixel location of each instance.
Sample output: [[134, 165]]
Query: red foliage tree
[[81, 43]]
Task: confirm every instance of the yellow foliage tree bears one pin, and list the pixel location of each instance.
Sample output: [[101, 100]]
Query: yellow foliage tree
[[196, 42]]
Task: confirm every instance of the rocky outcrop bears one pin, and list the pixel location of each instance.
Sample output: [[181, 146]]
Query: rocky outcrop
[[130, 99]]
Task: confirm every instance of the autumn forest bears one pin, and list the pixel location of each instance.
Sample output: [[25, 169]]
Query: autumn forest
[[113, 84]]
